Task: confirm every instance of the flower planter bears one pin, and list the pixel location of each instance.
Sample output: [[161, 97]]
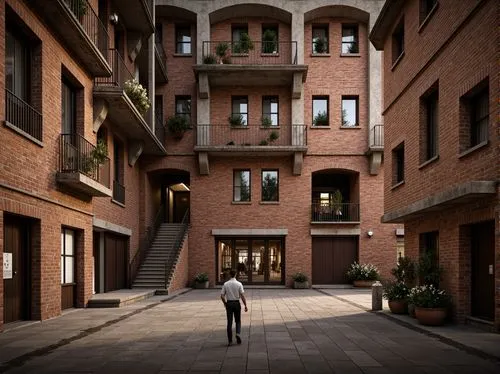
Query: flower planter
[[201, 285], [300, 285], [430, 316], [398, 306], [363, 283]]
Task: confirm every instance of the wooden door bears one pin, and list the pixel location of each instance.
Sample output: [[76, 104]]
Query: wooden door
[[115, 258], [16, 291], [332, 257], [483, 270], [181, 205]]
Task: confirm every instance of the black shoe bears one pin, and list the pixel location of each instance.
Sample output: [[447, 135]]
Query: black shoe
[[238, 339]]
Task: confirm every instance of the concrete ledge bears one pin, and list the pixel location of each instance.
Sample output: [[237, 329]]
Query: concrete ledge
[[108, 226], [250, 232], [332, 231], [457, 195], [115, 299]]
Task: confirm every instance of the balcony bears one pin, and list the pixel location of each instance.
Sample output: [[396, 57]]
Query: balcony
[[114, 104], [80, 29], [137, 15], [22, 117], [263, 65], [251, 140], [335, 213], [79, 169], [161, 75], [376, 148]]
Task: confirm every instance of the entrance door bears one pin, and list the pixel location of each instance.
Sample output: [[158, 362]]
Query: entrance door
[[115, 258], [331, 258], [483, 270], [16, 251], [181, 205], [68, 269]]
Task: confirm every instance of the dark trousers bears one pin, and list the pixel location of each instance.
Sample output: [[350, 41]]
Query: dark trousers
[[233, 308]]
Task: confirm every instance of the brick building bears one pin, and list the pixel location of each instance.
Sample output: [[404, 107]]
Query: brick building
[[95, 192], [442, 146]]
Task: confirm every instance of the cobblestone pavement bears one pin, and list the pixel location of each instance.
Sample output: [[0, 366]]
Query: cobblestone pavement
[[285, 331]]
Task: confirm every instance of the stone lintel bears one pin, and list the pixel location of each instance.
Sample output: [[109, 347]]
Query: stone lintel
[[249, 232], [108, 226], [333, 231]]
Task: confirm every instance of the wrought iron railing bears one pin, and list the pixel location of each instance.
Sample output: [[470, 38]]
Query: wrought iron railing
[[377, 136], [77, 155], [250, 135], [22, 115], [90, 22], [145, 245], [162, 53], [341, 212], [262, 53], [159, 126], [118, 192], [120, 74], [177, 243]]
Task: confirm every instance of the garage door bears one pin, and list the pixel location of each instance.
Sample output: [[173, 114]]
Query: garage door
[[115, 257], [332, 257]]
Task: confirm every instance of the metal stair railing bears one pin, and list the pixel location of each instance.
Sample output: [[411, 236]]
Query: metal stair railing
[[178, 241]]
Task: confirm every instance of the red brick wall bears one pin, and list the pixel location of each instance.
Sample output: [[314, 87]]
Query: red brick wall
[[180, 279]]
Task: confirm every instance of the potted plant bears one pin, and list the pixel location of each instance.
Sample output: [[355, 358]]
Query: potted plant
[[431, 304], [236, 120], [138, 95], [266, 121], [337, 202], [97, 157], [320, 45], [177, 126], [362, 275], [244, 45], [221, 50], [79, 8], [273, 136], [397, 295], [201, 280], [210, 59], [300, 280], [429, 270], [269, 41], [321, 119], [405, 272]]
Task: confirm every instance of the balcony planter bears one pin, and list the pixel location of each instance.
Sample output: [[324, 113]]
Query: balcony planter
[[138, 95], [236, 120], [177, 126], [362, 275], [201, 281]]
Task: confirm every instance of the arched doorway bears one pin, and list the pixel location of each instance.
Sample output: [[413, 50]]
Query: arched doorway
[[175, 195]]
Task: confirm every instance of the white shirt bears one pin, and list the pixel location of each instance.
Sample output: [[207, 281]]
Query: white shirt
[[232, 289]]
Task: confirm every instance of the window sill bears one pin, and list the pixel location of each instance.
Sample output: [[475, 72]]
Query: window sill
[[400, 57], [243, 127], [320, 55], [183, 55], [320, 127], [473, 149], [350, 55], [428, 17], [355, 127], [117, 203], [399, 184], [269, 203], [241, 202], [428, 162], [272, 127], [275, 54], [239, 54], [22, 133]]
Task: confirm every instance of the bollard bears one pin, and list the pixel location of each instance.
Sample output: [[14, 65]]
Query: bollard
[[377, 296]]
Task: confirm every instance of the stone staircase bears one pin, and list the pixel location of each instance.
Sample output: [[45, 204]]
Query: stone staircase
[[151, 274]]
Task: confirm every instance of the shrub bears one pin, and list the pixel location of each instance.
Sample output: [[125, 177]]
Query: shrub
[[266, 121], [210, 59], [177, 125], [321, 119], [429, 296], [362, 272], [221, 49], [320, 45], [263, 142], [244, 45], [138, 95], [274, 135], [201, 278], [79, 8], [269, 41], [299, 277], [405, 271], [429, 270], [396, 291], [236, 120]]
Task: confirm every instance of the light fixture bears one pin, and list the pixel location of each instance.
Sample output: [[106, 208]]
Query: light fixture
[[179, 187], [370, 233], [113, 19]]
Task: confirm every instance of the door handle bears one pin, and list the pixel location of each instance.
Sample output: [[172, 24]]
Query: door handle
[[490, 269]]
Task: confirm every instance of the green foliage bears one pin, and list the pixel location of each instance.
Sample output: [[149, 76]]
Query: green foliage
[[263, 142], [396, 291], [429, 270], [79, 7], [221, 49], [362, 272], [337, 202], [236, 120], [429, 296], [270, 188], [273, 136], [266, 121], [299, 277], [210, 59], [320, 45], [269, 41], [201, 278], [405, 271], [97, 157], [244, 45], [177, 125], [321, 119], [138, 95]]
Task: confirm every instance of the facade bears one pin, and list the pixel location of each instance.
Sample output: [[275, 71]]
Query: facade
[[442, 143]]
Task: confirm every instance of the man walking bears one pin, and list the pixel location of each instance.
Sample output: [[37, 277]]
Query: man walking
[[230, 295]]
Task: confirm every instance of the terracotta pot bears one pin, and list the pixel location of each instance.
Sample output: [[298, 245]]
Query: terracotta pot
[[363, 283], [430, 316], [411, 310], [398, 306], [301, 284]]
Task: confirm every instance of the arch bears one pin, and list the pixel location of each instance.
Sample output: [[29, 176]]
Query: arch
[[337, 11], [178, 13], [250, 10]]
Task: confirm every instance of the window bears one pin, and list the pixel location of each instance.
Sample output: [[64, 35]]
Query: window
[[68, 109], [239, 110], [429, 125], [320, 39], [239, 37], [350, 106], [429, 258], [320, 111], [270, 185], [17, 71], [426, 7], [183, 107], [241, 185], [270, 110], [67, 256], [398, 164], [118, 172], [183, 40], [270, 42], [350, 43], [474, 116], [398, 41]]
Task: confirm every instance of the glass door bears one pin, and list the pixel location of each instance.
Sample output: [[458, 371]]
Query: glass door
[[258, 256], [241, 257]]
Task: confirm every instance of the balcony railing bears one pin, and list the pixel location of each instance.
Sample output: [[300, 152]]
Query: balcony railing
[[159, 126], [120, 74], [90, 22], [377, 136], [118, 192], [161, 52], [77, 155], [251, 135], [342, 212], [263, 53], [23, 116]]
